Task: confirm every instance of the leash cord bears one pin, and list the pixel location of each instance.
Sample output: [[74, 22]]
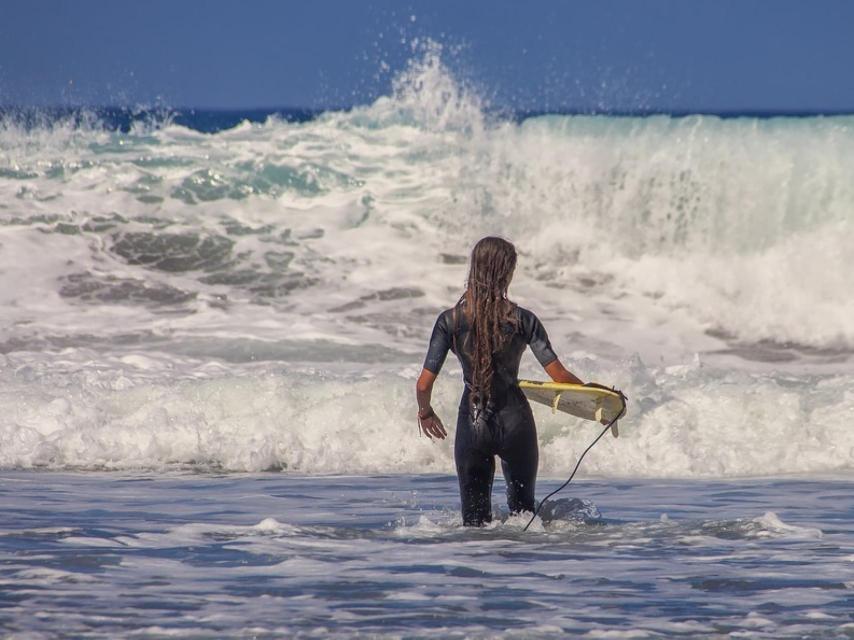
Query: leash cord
[[578, 464]]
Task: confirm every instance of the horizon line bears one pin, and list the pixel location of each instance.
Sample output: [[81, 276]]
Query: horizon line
[[526, 112]]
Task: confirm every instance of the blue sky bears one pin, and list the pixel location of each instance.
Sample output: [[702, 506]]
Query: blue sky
[[662, 55]]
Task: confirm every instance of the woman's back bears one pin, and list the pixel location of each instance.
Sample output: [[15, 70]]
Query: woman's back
[[453, 331]]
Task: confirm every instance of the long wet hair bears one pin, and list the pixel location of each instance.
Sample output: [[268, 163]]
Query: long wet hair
[[488, 310]]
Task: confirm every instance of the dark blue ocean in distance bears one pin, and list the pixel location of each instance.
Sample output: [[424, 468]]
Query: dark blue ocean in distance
[[123, 118], [215, 120]]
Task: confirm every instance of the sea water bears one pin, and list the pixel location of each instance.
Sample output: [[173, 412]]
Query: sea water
[[209, 341], [264, 555]]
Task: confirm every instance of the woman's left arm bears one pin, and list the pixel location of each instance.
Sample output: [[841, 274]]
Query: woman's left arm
[[559, 373], [542, 348], [428, 421]]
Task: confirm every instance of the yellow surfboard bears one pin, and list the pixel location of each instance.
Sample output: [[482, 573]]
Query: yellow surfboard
[[584, 401]]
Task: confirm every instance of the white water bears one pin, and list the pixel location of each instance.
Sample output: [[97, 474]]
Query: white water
[[261, 297], [686, 421]]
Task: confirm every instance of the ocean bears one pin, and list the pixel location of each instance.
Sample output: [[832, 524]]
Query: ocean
[[212, 323]]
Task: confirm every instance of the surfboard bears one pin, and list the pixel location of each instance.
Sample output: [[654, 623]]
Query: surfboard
[[591, 402]]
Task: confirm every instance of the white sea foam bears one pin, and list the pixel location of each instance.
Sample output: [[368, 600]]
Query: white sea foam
[[741, 227], [691, 422], [770, 525], [144, 275]]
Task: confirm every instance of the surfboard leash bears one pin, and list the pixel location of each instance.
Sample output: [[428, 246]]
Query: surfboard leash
[[623, 400]]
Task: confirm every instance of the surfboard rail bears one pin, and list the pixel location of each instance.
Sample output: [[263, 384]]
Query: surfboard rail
[[590, 402]]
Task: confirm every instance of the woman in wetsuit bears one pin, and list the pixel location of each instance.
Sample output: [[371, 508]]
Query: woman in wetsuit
[[489, 333]]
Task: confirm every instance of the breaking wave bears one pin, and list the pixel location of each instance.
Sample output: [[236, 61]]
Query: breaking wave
[[328, 245]]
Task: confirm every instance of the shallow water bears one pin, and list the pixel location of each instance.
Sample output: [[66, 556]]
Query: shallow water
[[101, 555]]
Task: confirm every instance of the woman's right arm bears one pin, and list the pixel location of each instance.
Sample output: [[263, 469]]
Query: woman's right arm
[[428, 421], [440, 344]]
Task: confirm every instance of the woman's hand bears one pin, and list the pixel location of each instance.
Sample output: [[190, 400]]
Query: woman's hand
[[432, 427], [428, 422]]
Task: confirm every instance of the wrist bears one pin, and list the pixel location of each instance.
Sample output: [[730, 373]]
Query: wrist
[[425, 412]]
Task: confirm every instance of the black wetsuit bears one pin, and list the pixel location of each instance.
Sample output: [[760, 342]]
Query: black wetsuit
[[505, 427]]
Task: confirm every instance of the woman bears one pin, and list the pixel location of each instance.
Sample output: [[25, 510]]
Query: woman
[[488, 333]]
